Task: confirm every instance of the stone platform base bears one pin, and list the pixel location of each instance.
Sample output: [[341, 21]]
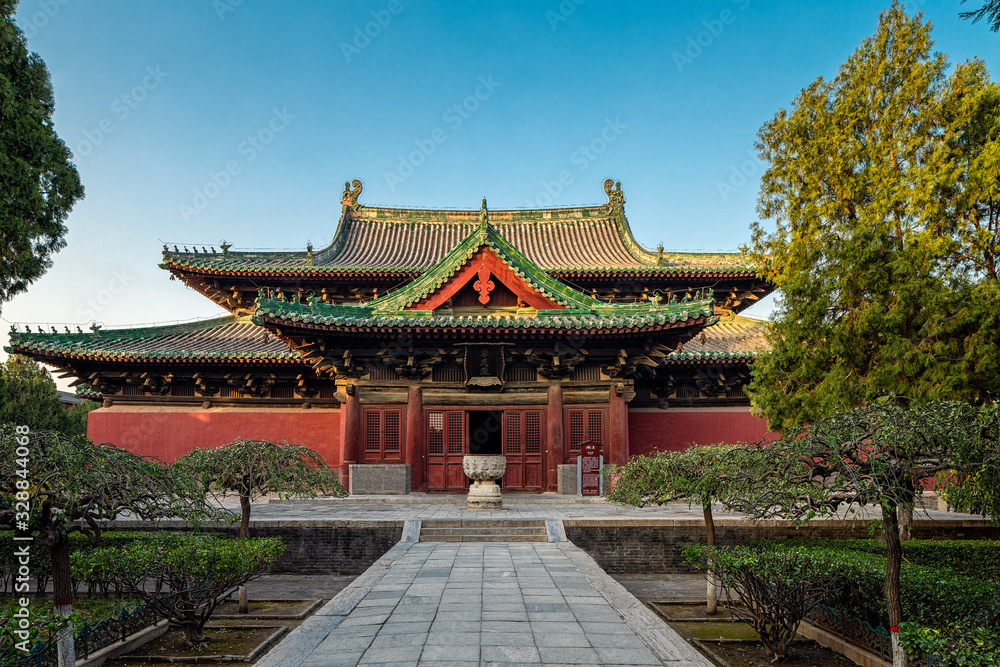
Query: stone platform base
[[484, 496]]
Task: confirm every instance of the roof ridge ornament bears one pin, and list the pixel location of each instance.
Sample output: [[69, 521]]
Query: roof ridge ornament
[[484, 214], [352, 190], [616, 199]]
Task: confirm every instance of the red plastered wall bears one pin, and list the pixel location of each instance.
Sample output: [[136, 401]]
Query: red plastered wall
[[168, 434], [677, 429]]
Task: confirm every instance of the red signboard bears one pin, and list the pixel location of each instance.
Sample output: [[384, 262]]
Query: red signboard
[[590, 469]]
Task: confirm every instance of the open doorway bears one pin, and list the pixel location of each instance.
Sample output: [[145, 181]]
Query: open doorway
[[485, 432]]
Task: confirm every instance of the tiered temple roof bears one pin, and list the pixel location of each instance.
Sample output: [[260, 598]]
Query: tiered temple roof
[[570, 309], [387, 270], [375, 248]]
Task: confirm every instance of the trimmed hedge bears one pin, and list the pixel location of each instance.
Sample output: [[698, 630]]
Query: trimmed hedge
[[933, 596], [954, 646]]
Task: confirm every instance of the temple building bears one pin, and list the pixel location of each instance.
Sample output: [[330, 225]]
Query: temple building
[[418, 336]]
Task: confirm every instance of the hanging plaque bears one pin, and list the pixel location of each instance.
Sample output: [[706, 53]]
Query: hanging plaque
[[484, 366]]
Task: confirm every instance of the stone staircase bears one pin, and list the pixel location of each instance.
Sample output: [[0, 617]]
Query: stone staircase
[[487, 530]]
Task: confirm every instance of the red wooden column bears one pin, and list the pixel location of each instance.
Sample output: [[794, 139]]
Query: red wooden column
[[555, 442], [415, 436], [617, 453], [351, 437]]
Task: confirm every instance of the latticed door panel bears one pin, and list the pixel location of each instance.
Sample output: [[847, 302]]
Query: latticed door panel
[[584, 425], [382, 435], [512, 443], [435, 433], [455, 433], [445, 449]]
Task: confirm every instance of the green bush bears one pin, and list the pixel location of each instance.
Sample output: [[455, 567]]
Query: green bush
[[955, 646], [87, 562]]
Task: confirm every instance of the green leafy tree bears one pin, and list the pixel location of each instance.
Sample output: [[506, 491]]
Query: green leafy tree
[[40, 182], [185, 577], [881, 455], [883, 189], [990, 11], [253, 469], [31, 399], [73, 485], [77, 416]]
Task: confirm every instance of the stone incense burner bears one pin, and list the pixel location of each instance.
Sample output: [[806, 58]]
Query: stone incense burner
[[484, 471]]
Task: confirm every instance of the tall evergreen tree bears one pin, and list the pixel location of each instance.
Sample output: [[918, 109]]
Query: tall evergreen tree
[[40, 182], [883, 187], [990, 11]]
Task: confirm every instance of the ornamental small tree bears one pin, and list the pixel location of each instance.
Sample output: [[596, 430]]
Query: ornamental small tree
[[881, 455], [697, 475], [728, 474], [253, 469], [73, 485], [776, 588], [185, 577]]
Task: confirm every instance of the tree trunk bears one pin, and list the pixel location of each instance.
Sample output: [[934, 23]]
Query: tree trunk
[[62, 593], [244, 516], [712, 596], [904, 513], [244, 533], [894, 562], [192, 633]]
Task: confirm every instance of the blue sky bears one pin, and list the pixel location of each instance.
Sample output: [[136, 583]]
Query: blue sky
[[193, 122]]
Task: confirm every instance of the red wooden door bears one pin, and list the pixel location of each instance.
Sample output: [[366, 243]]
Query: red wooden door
[[522, 445], [445, 449]]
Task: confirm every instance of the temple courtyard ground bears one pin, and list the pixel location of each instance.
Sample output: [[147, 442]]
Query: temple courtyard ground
[[491, 603]]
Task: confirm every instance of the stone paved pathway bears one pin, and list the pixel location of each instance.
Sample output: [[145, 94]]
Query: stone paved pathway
[[483, 604]]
